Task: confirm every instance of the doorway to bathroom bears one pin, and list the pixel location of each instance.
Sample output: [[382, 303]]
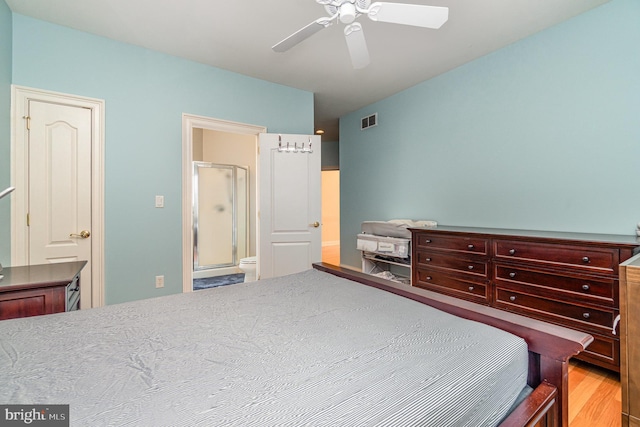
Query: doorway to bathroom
[[286, 208], [224, 228], [230, 144]]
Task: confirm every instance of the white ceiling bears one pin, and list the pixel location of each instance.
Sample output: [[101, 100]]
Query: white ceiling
[[237, 35]]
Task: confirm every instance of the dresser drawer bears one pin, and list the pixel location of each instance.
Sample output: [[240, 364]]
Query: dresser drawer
[[468, 245], [453, 263], [469, 289], [570, 315], [604, 351], [569, 287], [595, 260], [570, 279]]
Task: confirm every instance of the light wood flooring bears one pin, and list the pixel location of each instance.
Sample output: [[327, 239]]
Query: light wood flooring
[[594, 393], [595, 396], [331, 254]]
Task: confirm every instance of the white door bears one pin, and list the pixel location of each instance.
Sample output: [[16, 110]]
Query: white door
[[59, 199], [289, 187]]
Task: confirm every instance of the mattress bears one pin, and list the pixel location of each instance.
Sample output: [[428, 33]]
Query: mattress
[[309, 349]]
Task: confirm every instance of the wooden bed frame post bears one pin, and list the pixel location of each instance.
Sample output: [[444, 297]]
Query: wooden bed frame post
[[557, 372]]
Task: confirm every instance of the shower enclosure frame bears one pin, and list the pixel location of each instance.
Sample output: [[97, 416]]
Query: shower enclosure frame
[[235, 257]]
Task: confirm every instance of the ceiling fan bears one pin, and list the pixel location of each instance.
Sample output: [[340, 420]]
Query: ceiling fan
[[347, 11]]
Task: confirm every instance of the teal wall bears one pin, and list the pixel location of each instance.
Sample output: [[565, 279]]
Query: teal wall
[[5, 134], [330, 155], [542, 134], [146, 93]]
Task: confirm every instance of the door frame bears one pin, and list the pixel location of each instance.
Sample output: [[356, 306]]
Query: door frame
[[189, 122], [20, 95]]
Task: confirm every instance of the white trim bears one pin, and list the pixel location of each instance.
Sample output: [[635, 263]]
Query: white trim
[[19, 177], [189, 122]]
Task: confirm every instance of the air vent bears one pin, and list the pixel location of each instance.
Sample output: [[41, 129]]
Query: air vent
[[369, 121]]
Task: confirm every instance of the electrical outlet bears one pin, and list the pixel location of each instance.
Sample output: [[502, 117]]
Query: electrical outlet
[[159, 281]]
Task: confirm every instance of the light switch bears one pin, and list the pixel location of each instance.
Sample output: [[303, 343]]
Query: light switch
[[159, 201]]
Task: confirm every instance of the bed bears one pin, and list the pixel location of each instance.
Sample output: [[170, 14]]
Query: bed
[[315, 348]]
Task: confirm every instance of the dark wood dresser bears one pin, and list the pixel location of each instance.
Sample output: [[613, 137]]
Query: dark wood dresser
[[570, 279], [40, 289]]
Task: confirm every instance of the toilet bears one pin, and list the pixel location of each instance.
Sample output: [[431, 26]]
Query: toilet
[[248, 267]]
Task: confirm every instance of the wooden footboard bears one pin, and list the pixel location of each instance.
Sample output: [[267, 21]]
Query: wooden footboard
[[540, 408], [550, 347]]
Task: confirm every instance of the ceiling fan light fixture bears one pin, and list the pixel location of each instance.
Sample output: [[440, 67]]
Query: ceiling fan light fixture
[[347, 13]]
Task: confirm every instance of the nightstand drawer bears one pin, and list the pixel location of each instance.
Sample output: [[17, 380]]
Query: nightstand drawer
[[452, 263], [595, 260], [570, 287], [30, 302]]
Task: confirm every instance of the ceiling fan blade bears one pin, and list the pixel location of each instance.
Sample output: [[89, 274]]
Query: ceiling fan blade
[[409, 14], [357, 45], [302, 34]]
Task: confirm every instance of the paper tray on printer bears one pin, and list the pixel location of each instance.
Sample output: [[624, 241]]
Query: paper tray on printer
[[390, 246]]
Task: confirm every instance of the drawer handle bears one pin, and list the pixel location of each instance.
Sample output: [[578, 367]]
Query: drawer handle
[[585, 287], [470, 246], [512, 275], [512, 298], [471, 288], [427, 259], [586, 315], [428, 241], [512, 251], [470, 267], [615, 324], [428, 277], [585, 259]]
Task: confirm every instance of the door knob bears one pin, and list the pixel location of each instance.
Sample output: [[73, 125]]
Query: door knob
[[315, 224], [84, 234]]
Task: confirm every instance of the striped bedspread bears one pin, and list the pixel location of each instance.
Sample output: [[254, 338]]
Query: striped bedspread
[[308, 349]]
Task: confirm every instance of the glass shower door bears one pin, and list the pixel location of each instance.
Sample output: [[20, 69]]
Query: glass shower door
[[220, 202]]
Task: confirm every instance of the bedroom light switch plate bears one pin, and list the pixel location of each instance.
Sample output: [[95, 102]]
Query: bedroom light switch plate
[[159, 201]]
